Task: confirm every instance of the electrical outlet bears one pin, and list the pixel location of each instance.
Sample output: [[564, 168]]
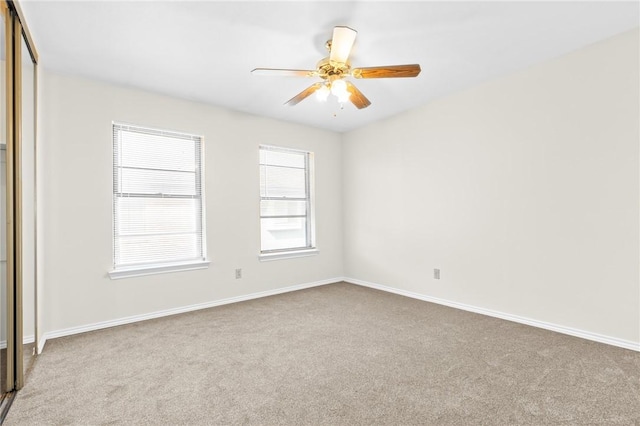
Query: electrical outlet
[[436, 274], [238, 274]]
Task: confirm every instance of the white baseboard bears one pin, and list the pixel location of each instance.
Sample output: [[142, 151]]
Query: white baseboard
[[627, 344], [164, 313]]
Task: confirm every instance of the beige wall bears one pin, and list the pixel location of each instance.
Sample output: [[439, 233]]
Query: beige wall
[[76, 117], [524, 191]]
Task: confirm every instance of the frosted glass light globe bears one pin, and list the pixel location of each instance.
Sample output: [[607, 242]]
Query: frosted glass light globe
[[322, 93], [339, 88]]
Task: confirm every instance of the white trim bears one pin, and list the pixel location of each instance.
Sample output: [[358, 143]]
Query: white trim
[[627, 344], [279, 148], [41, 343], [119, 273], [136, 318], [266, 257], [614, 341]]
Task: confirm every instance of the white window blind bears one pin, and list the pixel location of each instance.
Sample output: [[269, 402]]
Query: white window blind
[[285, 199], [157, 197]]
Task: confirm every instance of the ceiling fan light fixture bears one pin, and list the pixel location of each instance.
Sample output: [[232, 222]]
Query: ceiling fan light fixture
[[333, 70], [339, 88], [323, 93]]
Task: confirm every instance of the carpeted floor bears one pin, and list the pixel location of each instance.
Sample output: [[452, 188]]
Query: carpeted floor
[[336, 354]]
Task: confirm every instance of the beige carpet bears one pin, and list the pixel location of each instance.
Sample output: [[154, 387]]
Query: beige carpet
[[337, 354]]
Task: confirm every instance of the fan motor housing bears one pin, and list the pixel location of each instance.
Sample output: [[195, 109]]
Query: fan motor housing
[[332, 70]]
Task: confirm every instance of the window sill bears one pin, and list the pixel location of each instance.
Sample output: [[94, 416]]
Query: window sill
[[265, 257], [140, 271]]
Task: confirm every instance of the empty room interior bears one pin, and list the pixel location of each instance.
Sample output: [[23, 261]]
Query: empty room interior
[[337, 212]]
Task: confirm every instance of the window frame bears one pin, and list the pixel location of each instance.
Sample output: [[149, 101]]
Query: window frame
[[310, 247], [149, 268]]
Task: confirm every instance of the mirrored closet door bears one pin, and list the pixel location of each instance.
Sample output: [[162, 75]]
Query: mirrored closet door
[[5, 305], [18, 262]]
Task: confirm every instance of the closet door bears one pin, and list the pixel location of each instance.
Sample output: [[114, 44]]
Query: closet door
[[7, 347], [18, 261]]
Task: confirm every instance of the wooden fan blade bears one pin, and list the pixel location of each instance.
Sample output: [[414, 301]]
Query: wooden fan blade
[[391, 71], [284, 72], [341, 44], [304, 94], [357, 98]]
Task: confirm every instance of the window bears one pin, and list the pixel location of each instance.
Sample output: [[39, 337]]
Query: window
[[158, 201], [286, 209]]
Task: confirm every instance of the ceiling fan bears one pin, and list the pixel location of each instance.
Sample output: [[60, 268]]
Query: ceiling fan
[[333, 70]]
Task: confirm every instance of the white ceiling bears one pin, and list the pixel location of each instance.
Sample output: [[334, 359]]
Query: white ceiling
[[205, 50]]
